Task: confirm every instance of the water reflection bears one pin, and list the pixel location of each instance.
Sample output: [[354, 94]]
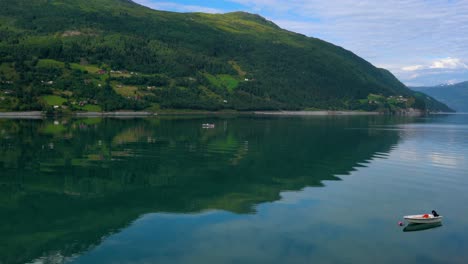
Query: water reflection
[[67, 184], [420, 227]]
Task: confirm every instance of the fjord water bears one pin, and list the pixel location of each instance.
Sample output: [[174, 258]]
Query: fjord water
[[251, 190]]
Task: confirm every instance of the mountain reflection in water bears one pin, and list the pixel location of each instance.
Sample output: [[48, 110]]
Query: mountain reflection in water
[[67, 184]]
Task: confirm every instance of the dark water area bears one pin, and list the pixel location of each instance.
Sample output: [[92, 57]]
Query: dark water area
[[251, 190]]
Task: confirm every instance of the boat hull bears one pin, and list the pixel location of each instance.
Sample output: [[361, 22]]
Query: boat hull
[[420, 219]]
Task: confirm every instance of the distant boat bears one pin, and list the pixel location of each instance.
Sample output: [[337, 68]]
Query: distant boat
[[423, 219], [421, 227], [208, 125]]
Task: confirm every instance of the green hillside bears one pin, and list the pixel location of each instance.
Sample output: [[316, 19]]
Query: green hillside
[[115, 54]]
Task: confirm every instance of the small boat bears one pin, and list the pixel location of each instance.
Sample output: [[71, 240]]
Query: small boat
[[421, 227], [423, 219], [208, 125]]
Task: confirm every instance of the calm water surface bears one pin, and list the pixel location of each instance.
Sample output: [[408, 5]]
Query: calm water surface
[[251, 190]]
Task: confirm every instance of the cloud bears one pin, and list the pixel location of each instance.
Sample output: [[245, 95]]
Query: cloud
[[448, 63], [439, 71], [413, 68]]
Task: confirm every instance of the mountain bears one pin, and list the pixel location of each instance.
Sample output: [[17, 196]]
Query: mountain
[[68, 55], [454, 95]]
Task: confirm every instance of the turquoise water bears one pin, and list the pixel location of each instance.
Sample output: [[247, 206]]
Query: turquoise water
[[251, 190]]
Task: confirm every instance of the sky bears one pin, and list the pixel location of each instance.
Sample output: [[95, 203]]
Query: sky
[[422, 42]]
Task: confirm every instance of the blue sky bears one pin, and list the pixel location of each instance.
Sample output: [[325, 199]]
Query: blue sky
[[423, 42]]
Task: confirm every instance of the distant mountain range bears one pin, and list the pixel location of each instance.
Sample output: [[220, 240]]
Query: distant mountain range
[[82, 55], [453, 95]]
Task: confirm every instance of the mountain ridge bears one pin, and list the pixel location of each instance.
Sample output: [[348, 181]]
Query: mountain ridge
[[120, 55], [454, 95]]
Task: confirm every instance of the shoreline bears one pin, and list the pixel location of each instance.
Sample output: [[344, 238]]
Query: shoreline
[[141, 114], [39, 114], [114, 114], [22, 115], [316, 113]]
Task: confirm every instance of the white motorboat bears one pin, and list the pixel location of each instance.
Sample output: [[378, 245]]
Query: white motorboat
[[208, 125], [423, 219]]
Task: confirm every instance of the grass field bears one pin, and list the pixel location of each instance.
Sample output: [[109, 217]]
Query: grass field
[[91, 108], [223, 81], [49, 63], [126, 90], [54, 100], [88, 68]]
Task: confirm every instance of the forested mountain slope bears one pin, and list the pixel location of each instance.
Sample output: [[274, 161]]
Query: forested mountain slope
[[114, 54]]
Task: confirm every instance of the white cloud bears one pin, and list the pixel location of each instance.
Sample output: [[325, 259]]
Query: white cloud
[[413, 68], [443, 64], [448, 63], [445, 70]]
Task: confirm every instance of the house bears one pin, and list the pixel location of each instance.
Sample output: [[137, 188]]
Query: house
[[102, 72]]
